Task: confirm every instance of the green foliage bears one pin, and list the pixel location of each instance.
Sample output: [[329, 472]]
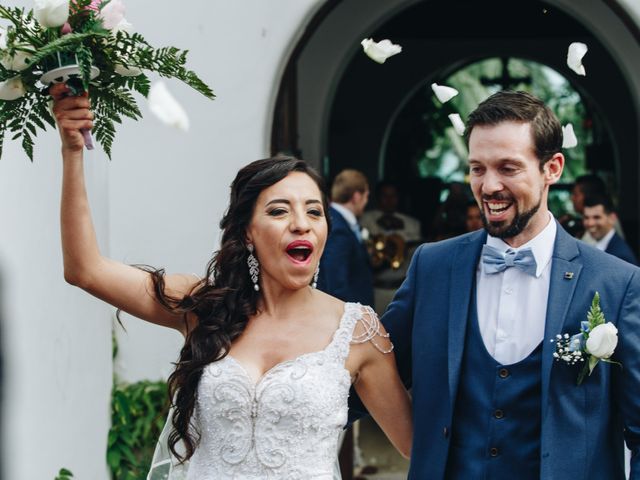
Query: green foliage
[[595, 316], [90, 45], [443, 153], [138, 414], [64, 474]]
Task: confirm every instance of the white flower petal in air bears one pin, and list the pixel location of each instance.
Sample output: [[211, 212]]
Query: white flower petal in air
[[380, 51], [569, 139], [458, 124], [443, 93], [166, 108], [12, 89], [576, 51]]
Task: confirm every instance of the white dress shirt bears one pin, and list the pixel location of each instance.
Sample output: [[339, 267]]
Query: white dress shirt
[[351, 219], [512, 305], [603, 243]]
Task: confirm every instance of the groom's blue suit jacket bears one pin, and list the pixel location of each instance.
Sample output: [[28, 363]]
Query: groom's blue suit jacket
[[582, 426]]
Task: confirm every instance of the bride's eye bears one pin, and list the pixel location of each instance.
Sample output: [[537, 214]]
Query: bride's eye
[[276, 212]]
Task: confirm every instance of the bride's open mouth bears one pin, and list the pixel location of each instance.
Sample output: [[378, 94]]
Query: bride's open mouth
[[300, 251]]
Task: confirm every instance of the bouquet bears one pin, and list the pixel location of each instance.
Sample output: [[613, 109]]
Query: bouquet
[[89, 45]]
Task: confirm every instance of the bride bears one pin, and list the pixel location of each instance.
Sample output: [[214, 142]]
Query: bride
[[260, 389]]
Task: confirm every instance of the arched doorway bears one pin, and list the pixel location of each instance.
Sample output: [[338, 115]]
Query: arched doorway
[[335, 104]]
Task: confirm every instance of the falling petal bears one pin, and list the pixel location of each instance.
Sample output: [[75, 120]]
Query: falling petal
[[443, 93], [576, 51], [167, 108], [380, 51], [458, 124], [569, 139]]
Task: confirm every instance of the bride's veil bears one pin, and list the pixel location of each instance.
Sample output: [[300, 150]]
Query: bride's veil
[[165, 465]]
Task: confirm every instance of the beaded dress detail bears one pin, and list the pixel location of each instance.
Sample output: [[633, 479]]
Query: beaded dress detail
[[286, 425]]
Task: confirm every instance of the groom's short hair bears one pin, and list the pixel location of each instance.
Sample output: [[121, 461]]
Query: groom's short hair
[[509, 106]]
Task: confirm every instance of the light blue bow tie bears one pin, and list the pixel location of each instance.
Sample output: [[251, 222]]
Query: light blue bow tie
[[496, 261]]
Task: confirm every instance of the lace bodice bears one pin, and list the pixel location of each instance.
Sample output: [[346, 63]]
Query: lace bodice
[[285, 426]]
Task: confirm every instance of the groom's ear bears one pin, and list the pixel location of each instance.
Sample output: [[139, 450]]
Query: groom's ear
[[552, 169]]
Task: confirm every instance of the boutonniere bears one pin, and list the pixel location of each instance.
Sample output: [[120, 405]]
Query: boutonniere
[[364, 233], [596, 342]]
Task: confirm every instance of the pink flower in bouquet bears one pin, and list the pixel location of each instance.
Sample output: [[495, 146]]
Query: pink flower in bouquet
[[112, 14], [95, 5]]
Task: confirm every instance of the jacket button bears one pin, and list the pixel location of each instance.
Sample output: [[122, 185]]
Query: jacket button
[[445, 432], [498, 414], [493, 451], [503, 372]]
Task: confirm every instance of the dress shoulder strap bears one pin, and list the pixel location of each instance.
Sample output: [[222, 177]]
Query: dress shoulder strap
[[359, 324]]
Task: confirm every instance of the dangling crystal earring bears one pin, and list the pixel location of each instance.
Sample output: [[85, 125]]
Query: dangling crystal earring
[[254, 268], [315, 277]]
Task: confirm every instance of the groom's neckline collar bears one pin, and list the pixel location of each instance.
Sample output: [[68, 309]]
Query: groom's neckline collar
[[541, 245]]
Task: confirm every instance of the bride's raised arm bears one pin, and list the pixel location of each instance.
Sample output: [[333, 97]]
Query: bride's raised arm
[[121, 285]]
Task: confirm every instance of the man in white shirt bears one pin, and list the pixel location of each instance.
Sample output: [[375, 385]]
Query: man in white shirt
[[385, 224], [600, 218], [476, 321]]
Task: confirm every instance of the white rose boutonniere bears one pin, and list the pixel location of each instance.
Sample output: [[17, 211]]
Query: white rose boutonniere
[[364, 233], [596, 342]]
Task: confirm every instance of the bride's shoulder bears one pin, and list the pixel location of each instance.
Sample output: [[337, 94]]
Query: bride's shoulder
[[369, 330]]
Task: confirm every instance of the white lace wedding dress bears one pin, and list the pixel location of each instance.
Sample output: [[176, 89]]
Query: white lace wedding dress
[[285, 426]]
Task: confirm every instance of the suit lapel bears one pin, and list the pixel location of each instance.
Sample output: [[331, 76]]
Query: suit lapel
[[565, 271], [463, 273]]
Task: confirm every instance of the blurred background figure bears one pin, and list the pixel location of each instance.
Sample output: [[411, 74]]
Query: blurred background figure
[[473, 219], [450, 217], [599, 219], [584, 186], [393, 237], [345, 270]]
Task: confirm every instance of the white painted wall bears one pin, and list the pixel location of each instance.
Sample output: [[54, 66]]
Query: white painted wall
[[158, 202]]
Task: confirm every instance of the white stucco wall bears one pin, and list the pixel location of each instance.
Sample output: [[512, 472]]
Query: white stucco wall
[[158, 202]]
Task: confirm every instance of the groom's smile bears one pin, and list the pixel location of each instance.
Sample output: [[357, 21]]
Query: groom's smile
[[508, 181]]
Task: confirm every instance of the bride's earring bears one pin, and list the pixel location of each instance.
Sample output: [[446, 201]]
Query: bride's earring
[[314, 284], [254, 268]]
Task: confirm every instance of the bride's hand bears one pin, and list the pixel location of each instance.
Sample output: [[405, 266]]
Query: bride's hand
[[72, 114]]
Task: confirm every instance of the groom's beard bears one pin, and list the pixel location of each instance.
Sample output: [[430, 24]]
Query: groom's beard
[[508, 230]]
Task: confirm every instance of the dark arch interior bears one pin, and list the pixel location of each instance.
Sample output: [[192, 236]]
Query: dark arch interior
[[438, 37]]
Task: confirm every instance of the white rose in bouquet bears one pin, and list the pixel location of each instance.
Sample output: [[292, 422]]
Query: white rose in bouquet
[[18, 62], [51, 13], [603, 340], [12, 89]]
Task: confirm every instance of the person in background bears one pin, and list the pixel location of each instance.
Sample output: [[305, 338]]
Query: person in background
[[473, 220], [345, 269], [584, 186], [397, 231], [599, 218]]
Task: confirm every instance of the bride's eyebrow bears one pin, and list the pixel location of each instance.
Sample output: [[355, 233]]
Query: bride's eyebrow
[[284, 200]]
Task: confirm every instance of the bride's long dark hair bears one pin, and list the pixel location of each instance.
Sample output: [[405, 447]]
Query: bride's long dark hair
[[223, 301]]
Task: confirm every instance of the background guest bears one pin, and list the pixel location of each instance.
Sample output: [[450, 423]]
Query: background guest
[[398, 234], [599, 218], [345, 270], [473, 219]]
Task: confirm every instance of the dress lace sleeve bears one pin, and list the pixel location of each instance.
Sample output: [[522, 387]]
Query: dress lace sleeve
[[369, 329]]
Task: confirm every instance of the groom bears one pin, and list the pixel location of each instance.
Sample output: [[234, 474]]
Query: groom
[[474, 321]]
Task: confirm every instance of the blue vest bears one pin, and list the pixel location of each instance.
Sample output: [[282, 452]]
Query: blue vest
[[497, 416]]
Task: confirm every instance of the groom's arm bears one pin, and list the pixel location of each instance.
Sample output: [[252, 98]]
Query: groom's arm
[[628, 381], [398, 321]]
